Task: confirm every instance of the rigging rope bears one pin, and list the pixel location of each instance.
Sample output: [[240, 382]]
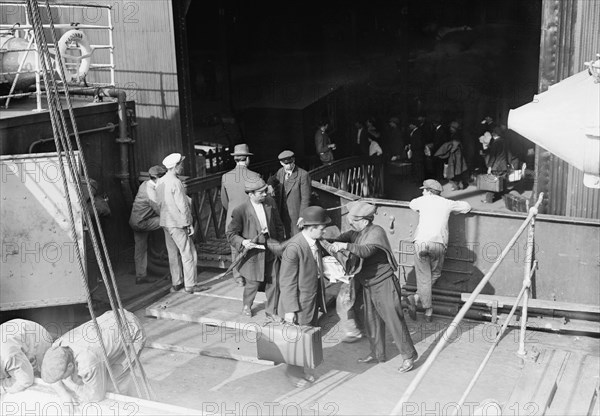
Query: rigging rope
[[60, 131]]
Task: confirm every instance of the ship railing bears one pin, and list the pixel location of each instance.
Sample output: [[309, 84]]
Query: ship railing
[[524, 294], [18, 10], [360, 176]]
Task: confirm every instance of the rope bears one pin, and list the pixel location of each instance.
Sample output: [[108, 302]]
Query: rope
[[118, 309], [44, 59], [54, 104]]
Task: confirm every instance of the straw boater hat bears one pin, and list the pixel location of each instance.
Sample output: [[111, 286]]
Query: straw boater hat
[[314, 216], [241, 150], [172, 160]]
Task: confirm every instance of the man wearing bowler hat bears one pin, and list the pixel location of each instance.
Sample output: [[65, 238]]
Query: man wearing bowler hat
[[145, 218], [301, 278], [232, 191], [177, 223], [381, 289], [253, 224], [292, 191], [431, 241]]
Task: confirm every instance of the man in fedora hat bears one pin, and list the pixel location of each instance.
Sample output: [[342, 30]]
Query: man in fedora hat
[[145, 218], [258, 215], [232, 191], [292, 191], [301, 278], [431, 241], [177, 223], [381, 289]]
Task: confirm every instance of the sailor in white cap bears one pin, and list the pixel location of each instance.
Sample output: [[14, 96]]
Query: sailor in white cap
[[431, 241], [177, 222]]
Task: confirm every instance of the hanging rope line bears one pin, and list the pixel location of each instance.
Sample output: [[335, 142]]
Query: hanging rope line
[[64, 148]]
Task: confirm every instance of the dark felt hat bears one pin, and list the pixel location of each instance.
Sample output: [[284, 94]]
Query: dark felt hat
[[314, 216]]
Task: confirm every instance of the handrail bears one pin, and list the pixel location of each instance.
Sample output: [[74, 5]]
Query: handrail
[[397, 410], [525, 288]]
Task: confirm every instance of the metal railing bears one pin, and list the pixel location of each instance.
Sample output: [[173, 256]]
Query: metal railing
[[530, 268], [359, 176], [24, 31]]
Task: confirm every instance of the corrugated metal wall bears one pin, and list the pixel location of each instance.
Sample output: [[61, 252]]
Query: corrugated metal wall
[[570, 36]]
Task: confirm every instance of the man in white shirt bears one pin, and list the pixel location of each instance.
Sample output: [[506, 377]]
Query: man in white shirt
[[22, 347], [253, 224], [75, 366], [431, 241]]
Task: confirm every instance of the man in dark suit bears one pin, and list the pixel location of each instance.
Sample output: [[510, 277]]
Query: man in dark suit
[[252, 224], [323, 144], [361, 140], [292, 191], [232, 191], [301, 279]]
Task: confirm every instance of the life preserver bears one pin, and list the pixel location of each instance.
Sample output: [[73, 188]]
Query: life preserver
[[80, 39]]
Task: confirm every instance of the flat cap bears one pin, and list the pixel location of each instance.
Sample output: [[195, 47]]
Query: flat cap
[[432, 185], [157, 171], [253, 185], [360, 210], [172, 160], [286, 154], [54, 364]]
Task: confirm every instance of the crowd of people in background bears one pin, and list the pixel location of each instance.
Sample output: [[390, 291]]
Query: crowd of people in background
[[436, 148]]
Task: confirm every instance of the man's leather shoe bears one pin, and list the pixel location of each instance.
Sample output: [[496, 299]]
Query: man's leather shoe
[[142, 280], [428, 318], [412, 307], [370, 360], [176, 288], [246, 310], [349, 339], [189, 290], [408, 364]]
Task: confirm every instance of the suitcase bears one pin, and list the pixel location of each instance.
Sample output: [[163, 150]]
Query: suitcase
[[291, 344], [491, 183]]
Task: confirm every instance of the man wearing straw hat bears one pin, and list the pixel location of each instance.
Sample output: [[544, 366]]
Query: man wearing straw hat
[[75, 366], [233, 193], [381, 289]]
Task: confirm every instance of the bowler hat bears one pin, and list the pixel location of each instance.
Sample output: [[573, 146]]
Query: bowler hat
[[432, 185], [360, 210], [286, 154], [172, 160], [157, 171], [254, 185], [241, 150], [314, 215]]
